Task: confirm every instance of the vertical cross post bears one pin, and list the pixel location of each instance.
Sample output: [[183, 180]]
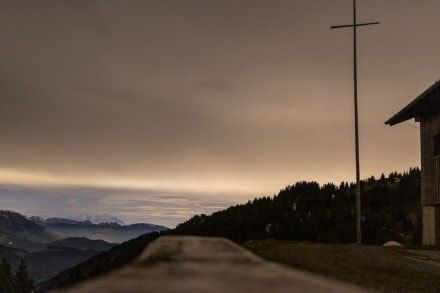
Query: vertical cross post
[[356, 123]]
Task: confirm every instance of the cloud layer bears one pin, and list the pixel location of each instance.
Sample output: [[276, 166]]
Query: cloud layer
[[242, 97]]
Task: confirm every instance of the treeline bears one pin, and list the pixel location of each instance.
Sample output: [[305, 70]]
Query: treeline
[[17, 281], [307, 211]]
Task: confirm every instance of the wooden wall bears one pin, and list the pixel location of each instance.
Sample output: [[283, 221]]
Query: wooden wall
[[430, 127]]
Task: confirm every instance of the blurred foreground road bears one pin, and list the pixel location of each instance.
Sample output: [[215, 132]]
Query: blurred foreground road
[[205, 264]]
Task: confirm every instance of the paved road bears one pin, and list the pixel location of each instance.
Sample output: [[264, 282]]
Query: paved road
[[202, 264]]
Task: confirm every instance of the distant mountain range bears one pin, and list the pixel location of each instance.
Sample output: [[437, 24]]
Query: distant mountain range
[[108, 231], [51, 245]]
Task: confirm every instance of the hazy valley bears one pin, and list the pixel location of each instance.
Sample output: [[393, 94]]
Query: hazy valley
[[51, 245]]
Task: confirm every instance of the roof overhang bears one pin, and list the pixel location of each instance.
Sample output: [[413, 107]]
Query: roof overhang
[[425, 105]]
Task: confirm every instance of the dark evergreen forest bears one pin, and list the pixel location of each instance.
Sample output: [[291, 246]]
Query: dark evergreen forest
[[307, 211]]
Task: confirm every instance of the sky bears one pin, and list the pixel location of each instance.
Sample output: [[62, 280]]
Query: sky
[[154, 111]]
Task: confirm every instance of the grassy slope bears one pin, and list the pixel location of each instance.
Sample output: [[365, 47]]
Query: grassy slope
[[377, 268]]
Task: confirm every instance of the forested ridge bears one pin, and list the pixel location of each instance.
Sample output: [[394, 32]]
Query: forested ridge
[[307, 211]]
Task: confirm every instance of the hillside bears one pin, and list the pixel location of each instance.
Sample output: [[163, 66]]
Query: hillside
[[307, 211], [380, 269], [304, 211], [82, 243], [19, 232], [12, 255], [99, 264], [45, 253], [45, 263]]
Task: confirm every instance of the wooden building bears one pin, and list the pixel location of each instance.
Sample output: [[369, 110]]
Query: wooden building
[[426, 110]]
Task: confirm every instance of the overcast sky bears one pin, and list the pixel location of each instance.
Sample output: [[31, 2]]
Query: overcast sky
[[157, 110]]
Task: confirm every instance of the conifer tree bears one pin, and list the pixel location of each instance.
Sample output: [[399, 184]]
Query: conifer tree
[[22, 282]]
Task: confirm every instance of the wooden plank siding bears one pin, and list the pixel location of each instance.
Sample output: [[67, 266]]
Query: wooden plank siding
[[429, 128]]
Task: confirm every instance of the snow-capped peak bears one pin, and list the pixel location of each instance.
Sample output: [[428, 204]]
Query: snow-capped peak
[[98, 219]]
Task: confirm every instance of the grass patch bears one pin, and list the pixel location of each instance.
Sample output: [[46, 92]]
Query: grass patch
[[378, 268]]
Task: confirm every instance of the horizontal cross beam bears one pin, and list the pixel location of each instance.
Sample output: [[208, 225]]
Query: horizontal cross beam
[[353, 25]]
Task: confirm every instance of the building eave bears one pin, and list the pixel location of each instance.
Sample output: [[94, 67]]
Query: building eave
[[425, 104]]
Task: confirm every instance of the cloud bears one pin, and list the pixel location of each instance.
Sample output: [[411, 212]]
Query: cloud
[[133, 206]]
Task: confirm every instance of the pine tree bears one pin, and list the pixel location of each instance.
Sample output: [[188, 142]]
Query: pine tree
[[22, 282]]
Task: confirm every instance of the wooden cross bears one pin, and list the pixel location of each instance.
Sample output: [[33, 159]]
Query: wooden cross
[[356, 127]]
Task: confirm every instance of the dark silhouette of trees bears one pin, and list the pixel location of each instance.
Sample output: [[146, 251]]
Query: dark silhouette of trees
[[22, 282], [17, 282], [307, 211]]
